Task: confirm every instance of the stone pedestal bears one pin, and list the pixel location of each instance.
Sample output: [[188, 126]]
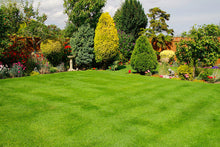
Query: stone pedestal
[[71, 63]]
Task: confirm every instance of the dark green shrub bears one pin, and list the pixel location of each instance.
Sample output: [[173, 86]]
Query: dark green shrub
[[126, 46], [185, 72], [82, 45], [143, 57], [204, 73]]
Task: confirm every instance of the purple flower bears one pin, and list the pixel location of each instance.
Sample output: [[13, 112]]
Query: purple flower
[[215, 67]]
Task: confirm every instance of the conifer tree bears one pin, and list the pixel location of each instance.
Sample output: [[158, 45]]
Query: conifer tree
[[131, 17], [82, 45], [143, 57], [106, 40]]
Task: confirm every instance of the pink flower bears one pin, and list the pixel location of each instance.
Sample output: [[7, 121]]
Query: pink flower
[[18, 71], [186, 75], [161, 76], [129, 71]]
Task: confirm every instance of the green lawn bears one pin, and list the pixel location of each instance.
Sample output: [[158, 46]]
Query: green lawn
[[103, 108]]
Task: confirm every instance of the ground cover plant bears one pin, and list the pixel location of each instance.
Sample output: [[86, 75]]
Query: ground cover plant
[[105, 108]]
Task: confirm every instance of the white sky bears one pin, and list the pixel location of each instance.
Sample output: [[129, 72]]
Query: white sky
[[184, 13]]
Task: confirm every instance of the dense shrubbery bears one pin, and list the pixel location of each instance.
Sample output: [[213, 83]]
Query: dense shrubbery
[[185, 72], [126, 46], [53, 51], [82, 44], [106, 40], [203, 46], [143, 57]]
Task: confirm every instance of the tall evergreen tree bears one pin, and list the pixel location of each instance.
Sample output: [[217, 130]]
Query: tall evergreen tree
[[131, 17], [82, 44], [106, 40]]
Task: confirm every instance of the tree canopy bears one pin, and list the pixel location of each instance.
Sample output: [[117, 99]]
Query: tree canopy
[[83, 11], [131, 17], [158, 31]]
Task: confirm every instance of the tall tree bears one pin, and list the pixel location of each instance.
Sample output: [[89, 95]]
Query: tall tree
[[106, 40], [13, 13], [158, 31], [131, 17], [83, 11]]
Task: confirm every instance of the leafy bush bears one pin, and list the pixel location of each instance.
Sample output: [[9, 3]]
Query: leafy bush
[[82, 44], [106, 40], [4, 26], [53, 69], [34, 73], [185, 72], [53, 51], [17, 70], [126, 46], [143, 57], [204, 73]]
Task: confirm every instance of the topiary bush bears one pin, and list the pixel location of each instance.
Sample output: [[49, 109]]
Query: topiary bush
[[82, 44], [143, 57], [53, 51], [185, 72], [106, 40]]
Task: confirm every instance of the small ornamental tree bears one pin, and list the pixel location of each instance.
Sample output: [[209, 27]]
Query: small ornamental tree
[[203, 46], [106, 41], [82, 44], [143, 57]]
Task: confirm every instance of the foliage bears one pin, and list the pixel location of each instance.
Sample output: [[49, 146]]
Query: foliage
[[114, 66], [53, 51], [34, 73], [143, 57], [201, 47], [185, 72], [126, 46], [41, 63], [14, 14], [82, 12], [70, 28], [161, 37], [106, 39], [34, 24], [204, 73], [131, 17], [4, 27], [82, 44], [17, 70]]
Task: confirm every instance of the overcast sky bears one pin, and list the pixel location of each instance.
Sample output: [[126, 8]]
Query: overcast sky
[[184, 13]]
